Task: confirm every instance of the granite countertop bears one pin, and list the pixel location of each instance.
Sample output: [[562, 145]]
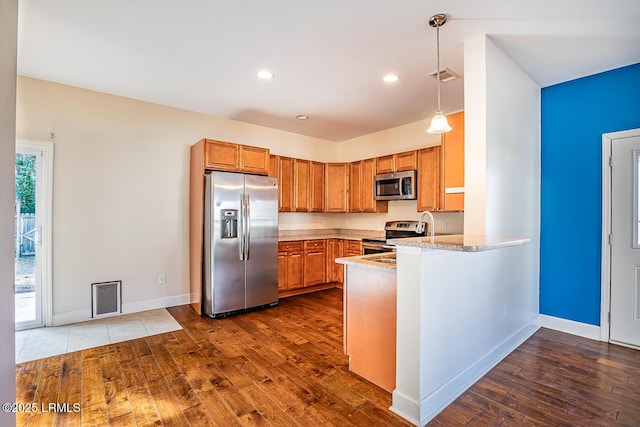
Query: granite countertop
[[331, 233], [460, 242], [372, 261]]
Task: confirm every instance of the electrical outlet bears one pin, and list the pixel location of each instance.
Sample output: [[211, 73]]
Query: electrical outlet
[[443, 225], [162, 279]]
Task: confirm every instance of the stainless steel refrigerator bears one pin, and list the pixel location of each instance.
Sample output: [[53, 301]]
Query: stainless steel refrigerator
[[240, 242]]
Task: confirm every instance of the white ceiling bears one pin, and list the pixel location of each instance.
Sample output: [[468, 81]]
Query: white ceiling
[[328, 56]]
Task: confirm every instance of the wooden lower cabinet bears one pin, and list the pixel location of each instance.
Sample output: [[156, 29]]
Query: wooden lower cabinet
[[352, 248], [315, 262], [309, 265], [335, 271], [290, 265]]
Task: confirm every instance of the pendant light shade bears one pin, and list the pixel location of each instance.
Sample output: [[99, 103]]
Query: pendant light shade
[[439, 123]]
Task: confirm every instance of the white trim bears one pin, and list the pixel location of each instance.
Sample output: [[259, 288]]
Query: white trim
[[71, 317], [605, 262], [46, 208], [433, 404], [152, 304], [127, 308], [571, 327], [454, 190]]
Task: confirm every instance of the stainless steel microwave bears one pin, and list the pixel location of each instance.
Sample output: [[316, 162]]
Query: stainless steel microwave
[[395, 186]]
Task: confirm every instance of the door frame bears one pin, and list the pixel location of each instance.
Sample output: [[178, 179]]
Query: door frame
[[605, 269], [46, 208]]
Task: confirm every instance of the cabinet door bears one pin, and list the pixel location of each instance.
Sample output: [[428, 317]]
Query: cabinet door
[[331, 256], [335, 190], [453, 163], [429, 179], [285, 182], [368, 201], [314, 267], [385, 164], [253, 160], [335, 271], [407, 161], [316, 187], [273, 166], [301, 172], [355, 202], [282, 271], [222, 156], [295, 270]]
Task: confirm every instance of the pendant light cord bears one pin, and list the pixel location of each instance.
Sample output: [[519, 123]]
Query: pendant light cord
[[438, 59]]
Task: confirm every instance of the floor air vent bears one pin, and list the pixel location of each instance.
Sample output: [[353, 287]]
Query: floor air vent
[[106, 300]]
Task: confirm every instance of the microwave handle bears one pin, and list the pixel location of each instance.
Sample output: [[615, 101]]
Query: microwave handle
[[402, 193]]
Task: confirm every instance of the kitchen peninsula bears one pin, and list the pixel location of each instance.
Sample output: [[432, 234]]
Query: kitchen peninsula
[[459, 310]]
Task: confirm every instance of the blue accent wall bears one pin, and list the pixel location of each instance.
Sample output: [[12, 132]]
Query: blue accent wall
[[574, 116]]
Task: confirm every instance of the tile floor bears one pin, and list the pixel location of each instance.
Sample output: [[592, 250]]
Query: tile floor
[[45, 342]]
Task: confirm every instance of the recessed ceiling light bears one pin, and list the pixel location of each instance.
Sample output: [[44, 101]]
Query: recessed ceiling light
[[390, 78], [265, 74], [302, 117]]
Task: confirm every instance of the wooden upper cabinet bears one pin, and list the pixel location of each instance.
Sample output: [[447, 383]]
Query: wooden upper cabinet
[[385, 164], [429, 181], [336, 187], [405, 161], [226, 156], [301, 174], [355, 204], [221, 155], [368, 200], [316, 187], [253, 160], [453, 163], [273, 166], [285, 184], [361, 185]]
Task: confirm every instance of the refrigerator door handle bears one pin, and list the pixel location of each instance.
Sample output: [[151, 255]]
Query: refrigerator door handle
[[242, 221], [247, 234]]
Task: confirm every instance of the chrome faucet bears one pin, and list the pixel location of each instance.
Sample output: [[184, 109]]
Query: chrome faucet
[[421, 224]]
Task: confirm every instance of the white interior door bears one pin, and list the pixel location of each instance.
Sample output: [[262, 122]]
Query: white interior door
[[625, 241]]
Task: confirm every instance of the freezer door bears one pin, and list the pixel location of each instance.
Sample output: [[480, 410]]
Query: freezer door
[[224, 287], [262, 250]]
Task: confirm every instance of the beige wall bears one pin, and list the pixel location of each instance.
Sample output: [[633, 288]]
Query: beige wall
[[120, 188], [8, 43], [411, 136]]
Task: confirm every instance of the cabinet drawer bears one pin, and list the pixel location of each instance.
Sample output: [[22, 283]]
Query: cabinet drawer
[[314, 244], [290, 246], [353, 245]]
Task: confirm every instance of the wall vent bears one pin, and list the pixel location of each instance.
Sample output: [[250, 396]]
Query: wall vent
[[446, 75], [106, 299]]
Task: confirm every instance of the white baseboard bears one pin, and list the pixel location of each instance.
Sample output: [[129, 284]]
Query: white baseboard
[[152, 304], [570, 327], [127, 308], [405, 406], [434, 403], [71, 317]]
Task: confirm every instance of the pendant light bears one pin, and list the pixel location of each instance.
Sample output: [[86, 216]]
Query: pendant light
[[439, 123]]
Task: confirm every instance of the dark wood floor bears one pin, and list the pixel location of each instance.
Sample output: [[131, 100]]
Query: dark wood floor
[[284, 367]]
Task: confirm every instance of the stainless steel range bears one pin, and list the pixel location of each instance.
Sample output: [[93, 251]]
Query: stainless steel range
[[393, 230]]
